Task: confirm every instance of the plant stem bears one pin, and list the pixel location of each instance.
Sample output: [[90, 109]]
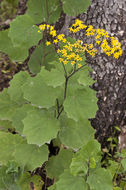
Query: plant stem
[[87, 174], [64, 70], [65, 91], [75, 70], [57, 102], [60, 112], [66, 84]]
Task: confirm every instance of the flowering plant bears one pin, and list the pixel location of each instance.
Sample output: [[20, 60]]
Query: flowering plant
[[53, 105]]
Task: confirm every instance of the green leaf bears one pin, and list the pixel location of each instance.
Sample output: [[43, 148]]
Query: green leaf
[[14, 147], [19, 114], [14, 91], [69, 182], [6, 179], [117, 188], [7, 106], [5, 125], [79, 167], [85, 78], [44, 11], [100, 178], [113, 167], [83, 158], [23, 182], [84, 101], [92, 162], [15, 53], [26, 182], [123, 162], [31, 156], [117, 128], [52, 78], [23, 32], [52, 187], [40, 126], [74, 8], [42, 56], [57, 164], [8, 145], [38, 93], [13, 167], [75, 134]]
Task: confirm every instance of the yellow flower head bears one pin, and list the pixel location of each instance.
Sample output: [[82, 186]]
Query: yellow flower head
[[61, 59], [53, 33], [48, 43], [60, 37], [79, 65], [42, 27], [65, 62], [58, 51], [55, 41]]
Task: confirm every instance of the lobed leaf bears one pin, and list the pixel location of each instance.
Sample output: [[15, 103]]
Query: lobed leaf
[[19, 114], [75, 134], [82, 104], [31, 156], [40, 126], [100, 178], [7, 106], [19, 53], [57, 164], [38, 93], [84, 78], [52, 78], [69, 182], [14, 91], [74, 8], [83, 158], [44, 11], [23, 32], [42, 56], [5, 125], [26, 182], [14, 147]]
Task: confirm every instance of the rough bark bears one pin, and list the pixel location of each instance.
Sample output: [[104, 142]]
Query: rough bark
[[109, 73]]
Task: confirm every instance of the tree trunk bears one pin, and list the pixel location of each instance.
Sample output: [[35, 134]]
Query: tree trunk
[[110, 73]]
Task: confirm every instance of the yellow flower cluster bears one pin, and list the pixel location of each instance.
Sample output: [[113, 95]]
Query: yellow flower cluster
[[109, 45], [74, 52], [43, 27], [69, 52], [77, 26], [90, 31], [52, 32]]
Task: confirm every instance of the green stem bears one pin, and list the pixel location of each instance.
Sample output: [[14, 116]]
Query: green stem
[[87, 174], [57, 102], [60, 112], [116, 174], [76, 70], [64, 70], [66, 84], [65, 91]]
